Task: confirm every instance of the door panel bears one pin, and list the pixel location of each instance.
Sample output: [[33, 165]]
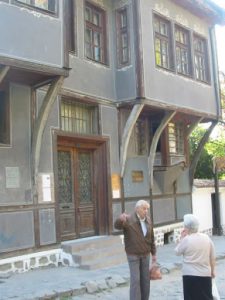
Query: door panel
[[76, 193], [65, 193], [85, 196]]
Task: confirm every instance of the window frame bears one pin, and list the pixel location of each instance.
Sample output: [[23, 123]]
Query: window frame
[[122, 30], [164, 39], [204, 55], [100, 30], [32, 6], [71, 22], [177, 137], [6, 120], [93, 110], [185, 47]]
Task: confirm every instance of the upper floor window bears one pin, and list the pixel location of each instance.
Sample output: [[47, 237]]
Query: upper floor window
[[4, 118], [95, 33], [49, 5], [163, 51], [141, 137], [122, 37], [71, 24], [78, 117], [201, 59], [183, 52], [176, 138]]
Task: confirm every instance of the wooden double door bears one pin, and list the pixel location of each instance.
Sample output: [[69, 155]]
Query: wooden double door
[[82, 190]]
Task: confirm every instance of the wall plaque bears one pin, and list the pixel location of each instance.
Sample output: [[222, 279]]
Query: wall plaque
[[12, 175], [115, 185], [137, 176]]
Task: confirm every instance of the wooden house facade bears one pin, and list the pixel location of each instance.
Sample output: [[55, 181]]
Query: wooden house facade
[[97, 101]]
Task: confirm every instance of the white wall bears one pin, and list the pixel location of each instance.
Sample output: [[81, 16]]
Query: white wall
[[202, 206]]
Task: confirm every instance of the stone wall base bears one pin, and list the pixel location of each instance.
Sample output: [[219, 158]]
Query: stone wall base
[[23, 263]]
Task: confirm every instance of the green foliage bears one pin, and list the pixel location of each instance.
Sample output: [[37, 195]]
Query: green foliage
[[213, 148]]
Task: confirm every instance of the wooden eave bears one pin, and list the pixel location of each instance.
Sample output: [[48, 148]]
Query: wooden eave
[[204, 9], [30, 73], [157, 109]]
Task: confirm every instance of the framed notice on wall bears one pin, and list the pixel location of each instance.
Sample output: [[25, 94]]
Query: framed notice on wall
[[12, 177], [115, 186]]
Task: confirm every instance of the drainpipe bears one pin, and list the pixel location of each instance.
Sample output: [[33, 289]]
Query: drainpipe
[[215, 70], [218, 97]]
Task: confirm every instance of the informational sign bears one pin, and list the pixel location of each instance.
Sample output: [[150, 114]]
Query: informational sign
[[12, 175], [46, 188], [115, 186], [137, 176]]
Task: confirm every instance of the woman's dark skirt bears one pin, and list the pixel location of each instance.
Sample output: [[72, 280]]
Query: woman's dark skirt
[[197, 288]]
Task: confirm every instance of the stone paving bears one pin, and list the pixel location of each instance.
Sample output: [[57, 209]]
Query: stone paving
[[66, 282], [169, 288]]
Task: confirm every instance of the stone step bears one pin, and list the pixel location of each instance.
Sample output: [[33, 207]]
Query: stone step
[[91, 243], [104, 263], [96, 252], [104, 253]]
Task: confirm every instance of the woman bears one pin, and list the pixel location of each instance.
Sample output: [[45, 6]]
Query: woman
[[198, 261]]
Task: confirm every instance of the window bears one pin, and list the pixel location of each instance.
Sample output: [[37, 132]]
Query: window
[[163, 51], [183, 53], [95, 33], [140, 134], [78, 118], [201, 59], [49, 5], [122, 37], [71, 24], [176, 138], [4, 118]]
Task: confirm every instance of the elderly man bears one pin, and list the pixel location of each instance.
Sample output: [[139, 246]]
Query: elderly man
[[139, 243]]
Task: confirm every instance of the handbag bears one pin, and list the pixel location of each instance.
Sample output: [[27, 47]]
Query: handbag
[[215, 292], [154, 272]]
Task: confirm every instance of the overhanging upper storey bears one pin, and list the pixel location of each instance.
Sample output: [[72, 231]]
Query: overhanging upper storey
[[178, 51], [32, 36]]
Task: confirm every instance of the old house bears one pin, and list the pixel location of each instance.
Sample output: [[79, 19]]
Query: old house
[[97, 100]]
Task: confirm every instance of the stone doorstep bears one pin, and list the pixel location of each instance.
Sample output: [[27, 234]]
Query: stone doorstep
[[99, 264], [90, 255], [91, 244]]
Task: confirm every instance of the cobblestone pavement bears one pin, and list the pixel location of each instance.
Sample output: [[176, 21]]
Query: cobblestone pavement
[[169, 288]]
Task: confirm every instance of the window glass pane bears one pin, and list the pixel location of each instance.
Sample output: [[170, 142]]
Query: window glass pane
[[163, 29], [77, 117], [176, 138], [88, 51], [124, 40], [88, 36], [43, 4], [156, 25], [125, 55], [96, 19], [200, 59], [123, 18], [95, 34], [97, 54], [97, 39], [4, 119], [163, 53], [88, 14]]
